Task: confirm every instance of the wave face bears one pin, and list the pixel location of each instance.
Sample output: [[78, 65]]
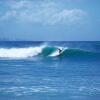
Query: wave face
[[44, 50]]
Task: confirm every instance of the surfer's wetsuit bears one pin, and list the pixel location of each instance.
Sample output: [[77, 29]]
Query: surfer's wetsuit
[[59, 50]]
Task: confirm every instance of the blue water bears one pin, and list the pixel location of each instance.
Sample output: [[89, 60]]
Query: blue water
[[28, 71]]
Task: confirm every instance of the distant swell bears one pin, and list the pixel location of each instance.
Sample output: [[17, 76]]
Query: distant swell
[[44, 50]]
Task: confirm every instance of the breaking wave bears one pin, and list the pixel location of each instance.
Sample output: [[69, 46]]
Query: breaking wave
[[20, 52], [44, 50]]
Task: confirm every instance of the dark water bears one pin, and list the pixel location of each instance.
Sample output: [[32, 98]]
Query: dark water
[[28, 71]]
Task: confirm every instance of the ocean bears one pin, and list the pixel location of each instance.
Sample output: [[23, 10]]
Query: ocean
[[38, 71]]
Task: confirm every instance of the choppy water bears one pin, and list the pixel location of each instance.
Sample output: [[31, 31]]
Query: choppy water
[[35, 71]]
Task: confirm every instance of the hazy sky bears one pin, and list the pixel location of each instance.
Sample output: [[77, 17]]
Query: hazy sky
[[50, 19]]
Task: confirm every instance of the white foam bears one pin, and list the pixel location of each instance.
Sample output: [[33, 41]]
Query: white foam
[[20, 52], [56, 53]]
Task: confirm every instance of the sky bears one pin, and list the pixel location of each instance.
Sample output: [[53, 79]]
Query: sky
[[50, 20]]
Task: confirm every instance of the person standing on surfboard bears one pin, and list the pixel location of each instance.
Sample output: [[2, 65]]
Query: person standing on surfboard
[[59, 50]]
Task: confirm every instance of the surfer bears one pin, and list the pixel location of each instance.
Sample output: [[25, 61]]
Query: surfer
[[59, 50]]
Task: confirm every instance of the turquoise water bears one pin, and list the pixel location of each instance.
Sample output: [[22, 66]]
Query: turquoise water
[[35, 71]]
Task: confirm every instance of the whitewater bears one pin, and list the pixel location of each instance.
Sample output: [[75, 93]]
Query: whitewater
[[20, 52]]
